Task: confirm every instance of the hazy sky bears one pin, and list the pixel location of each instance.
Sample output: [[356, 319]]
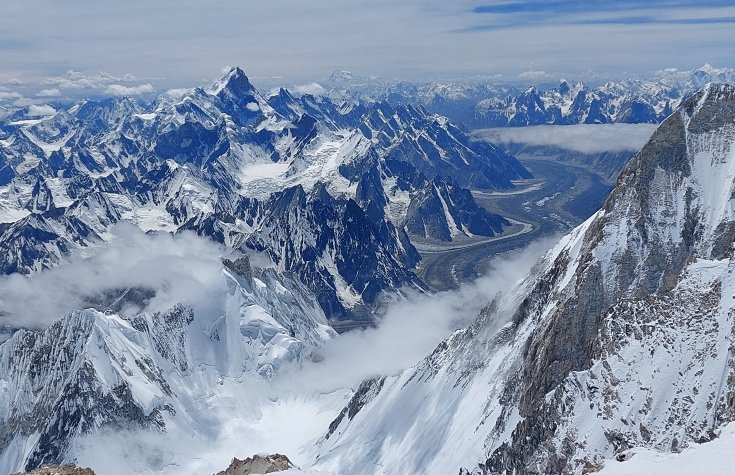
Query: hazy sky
[[176, 43]]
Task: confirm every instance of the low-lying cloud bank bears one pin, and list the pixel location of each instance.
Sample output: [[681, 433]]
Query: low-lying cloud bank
[[412, 327], [184, 268], [177, 268], [583, 138]]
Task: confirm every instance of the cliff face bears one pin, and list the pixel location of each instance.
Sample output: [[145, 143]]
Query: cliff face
[[620, 336], [636, 352]]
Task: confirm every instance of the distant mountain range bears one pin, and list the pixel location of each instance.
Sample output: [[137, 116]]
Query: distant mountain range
[[479, 104]]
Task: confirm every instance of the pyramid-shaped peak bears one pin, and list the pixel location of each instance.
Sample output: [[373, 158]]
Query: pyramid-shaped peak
[[564, 86], [236, 72], [283, 92], [234, 80], [709, 69]]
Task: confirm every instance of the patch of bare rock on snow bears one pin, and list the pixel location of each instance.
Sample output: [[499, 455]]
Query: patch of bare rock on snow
[[67, 469], [258, 463]]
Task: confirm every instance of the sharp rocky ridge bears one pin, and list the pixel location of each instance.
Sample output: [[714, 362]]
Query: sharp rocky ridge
[[303, 179], [620, 337]]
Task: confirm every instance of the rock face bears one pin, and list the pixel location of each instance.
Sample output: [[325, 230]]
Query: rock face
[[620, 337], [258, 464], [651, 302], [68, 469], [301, 178]]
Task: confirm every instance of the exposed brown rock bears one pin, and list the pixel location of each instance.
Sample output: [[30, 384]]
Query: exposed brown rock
[[68, 469], [591, 467], [259, 464]]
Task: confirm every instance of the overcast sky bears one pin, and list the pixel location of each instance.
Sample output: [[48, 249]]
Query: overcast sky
[[177, 43]]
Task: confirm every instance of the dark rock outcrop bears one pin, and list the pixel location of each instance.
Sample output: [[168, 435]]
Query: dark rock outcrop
[[258, 464], [68, 469]]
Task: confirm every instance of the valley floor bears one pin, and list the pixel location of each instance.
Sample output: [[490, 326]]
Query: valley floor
[[559, 197]]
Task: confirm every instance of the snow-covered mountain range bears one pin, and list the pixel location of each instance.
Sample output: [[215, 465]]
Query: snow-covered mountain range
[[621, 336], [329, 191], [482, 104]]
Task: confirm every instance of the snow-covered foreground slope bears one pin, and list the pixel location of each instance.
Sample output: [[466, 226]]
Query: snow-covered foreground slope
[[712, 458], [437, 417], [620, 337], [249, 367], [175, 372]]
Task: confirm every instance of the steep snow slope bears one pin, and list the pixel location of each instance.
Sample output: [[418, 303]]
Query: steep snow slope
[[93, 372], [713, 457], [620, 337]]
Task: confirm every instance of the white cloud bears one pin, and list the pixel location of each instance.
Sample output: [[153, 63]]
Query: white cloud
[[179, 268], [14, 82], [9, 96], [120, 90], [412, 39], [177, 92], [584, 138], [48, 93], [77, 80], [35, 110], [535, 75], [311, 88], [411, 328]]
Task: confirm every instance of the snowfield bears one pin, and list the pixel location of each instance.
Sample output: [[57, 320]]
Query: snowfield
[[712, 458]]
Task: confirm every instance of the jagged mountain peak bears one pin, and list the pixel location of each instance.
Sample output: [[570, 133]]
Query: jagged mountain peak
[[92, 371], [235, 80], [340, 76], [212, 159], [564, 87], [283, 93]]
